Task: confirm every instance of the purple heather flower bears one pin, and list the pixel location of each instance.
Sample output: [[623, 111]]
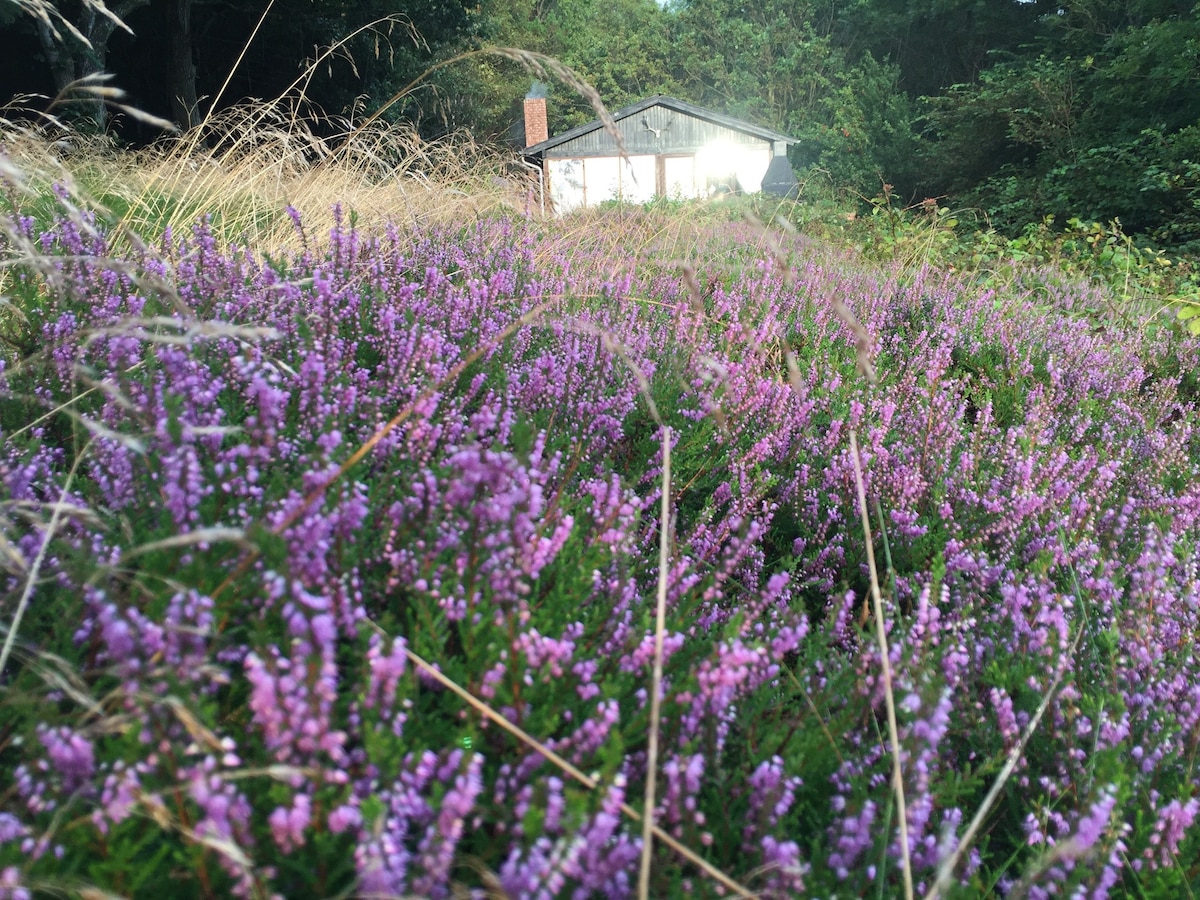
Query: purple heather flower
[[71, 756], [288, 824], [856, 835], [1174, 819], [11, 885]]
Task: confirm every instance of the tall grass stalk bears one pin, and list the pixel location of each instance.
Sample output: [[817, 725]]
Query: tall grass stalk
[[885, 670], [945, 875], [191, 146], [660, 618]]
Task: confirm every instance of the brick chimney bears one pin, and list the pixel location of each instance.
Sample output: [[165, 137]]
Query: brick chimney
[[536, 129]]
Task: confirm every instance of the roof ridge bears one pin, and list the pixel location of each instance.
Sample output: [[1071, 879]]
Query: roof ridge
[[683, 106]]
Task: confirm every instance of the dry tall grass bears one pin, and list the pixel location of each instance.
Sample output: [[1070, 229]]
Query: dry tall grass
[[243, 168]]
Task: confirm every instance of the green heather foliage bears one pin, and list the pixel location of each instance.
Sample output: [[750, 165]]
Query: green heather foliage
[[240, 495], [1140, 281]]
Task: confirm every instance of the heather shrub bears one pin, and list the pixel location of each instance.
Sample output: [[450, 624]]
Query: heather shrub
[[247, 496], [1140, 281]]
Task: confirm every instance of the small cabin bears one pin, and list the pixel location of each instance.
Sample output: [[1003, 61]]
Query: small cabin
[[673, 150]]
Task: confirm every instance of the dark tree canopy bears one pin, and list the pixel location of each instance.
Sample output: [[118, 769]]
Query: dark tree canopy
[[176, 55]]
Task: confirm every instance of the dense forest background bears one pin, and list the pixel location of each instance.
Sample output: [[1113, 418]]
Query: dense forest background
[[1019, 108]]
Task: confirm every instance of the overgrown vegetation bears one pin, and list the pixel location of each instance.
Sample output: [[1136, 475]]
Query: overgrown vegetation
[[365, 533], [1018, 108], [1141, 283], [260, 473]]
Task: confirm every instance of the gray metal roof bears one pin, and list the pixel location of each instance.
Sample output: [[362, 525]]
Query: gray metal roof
[[680, 106]]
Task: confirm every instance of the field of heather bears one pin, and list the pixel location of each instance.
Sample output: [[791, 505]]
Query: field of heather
[[335, 571]]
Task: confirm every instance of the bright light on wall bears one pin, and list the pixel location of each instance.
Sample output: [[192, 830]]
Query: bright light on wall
[[717, 164], [724, 165]]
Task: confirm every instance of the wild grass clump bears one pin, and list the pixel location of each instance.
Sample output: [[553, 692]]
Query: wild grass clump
[[287, 534], [242, 169]]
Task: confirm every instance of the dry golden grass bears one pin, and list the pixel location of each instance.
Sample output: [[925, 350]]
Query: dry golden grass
[[243, 168]]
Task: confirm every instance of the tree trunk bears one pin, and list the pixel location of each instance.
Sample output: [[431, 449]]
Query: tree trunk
[[71, 59], [58, 56], [182, 71], [97, 29]]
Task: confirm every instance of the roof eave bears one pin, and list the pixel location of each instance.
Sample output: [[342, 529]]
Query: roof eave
[[671, 103]]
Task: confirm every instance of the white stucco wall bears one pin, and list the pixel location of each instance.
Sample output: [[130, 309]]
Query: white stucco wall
[[565, 180], [576, 183], [637, 179]]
